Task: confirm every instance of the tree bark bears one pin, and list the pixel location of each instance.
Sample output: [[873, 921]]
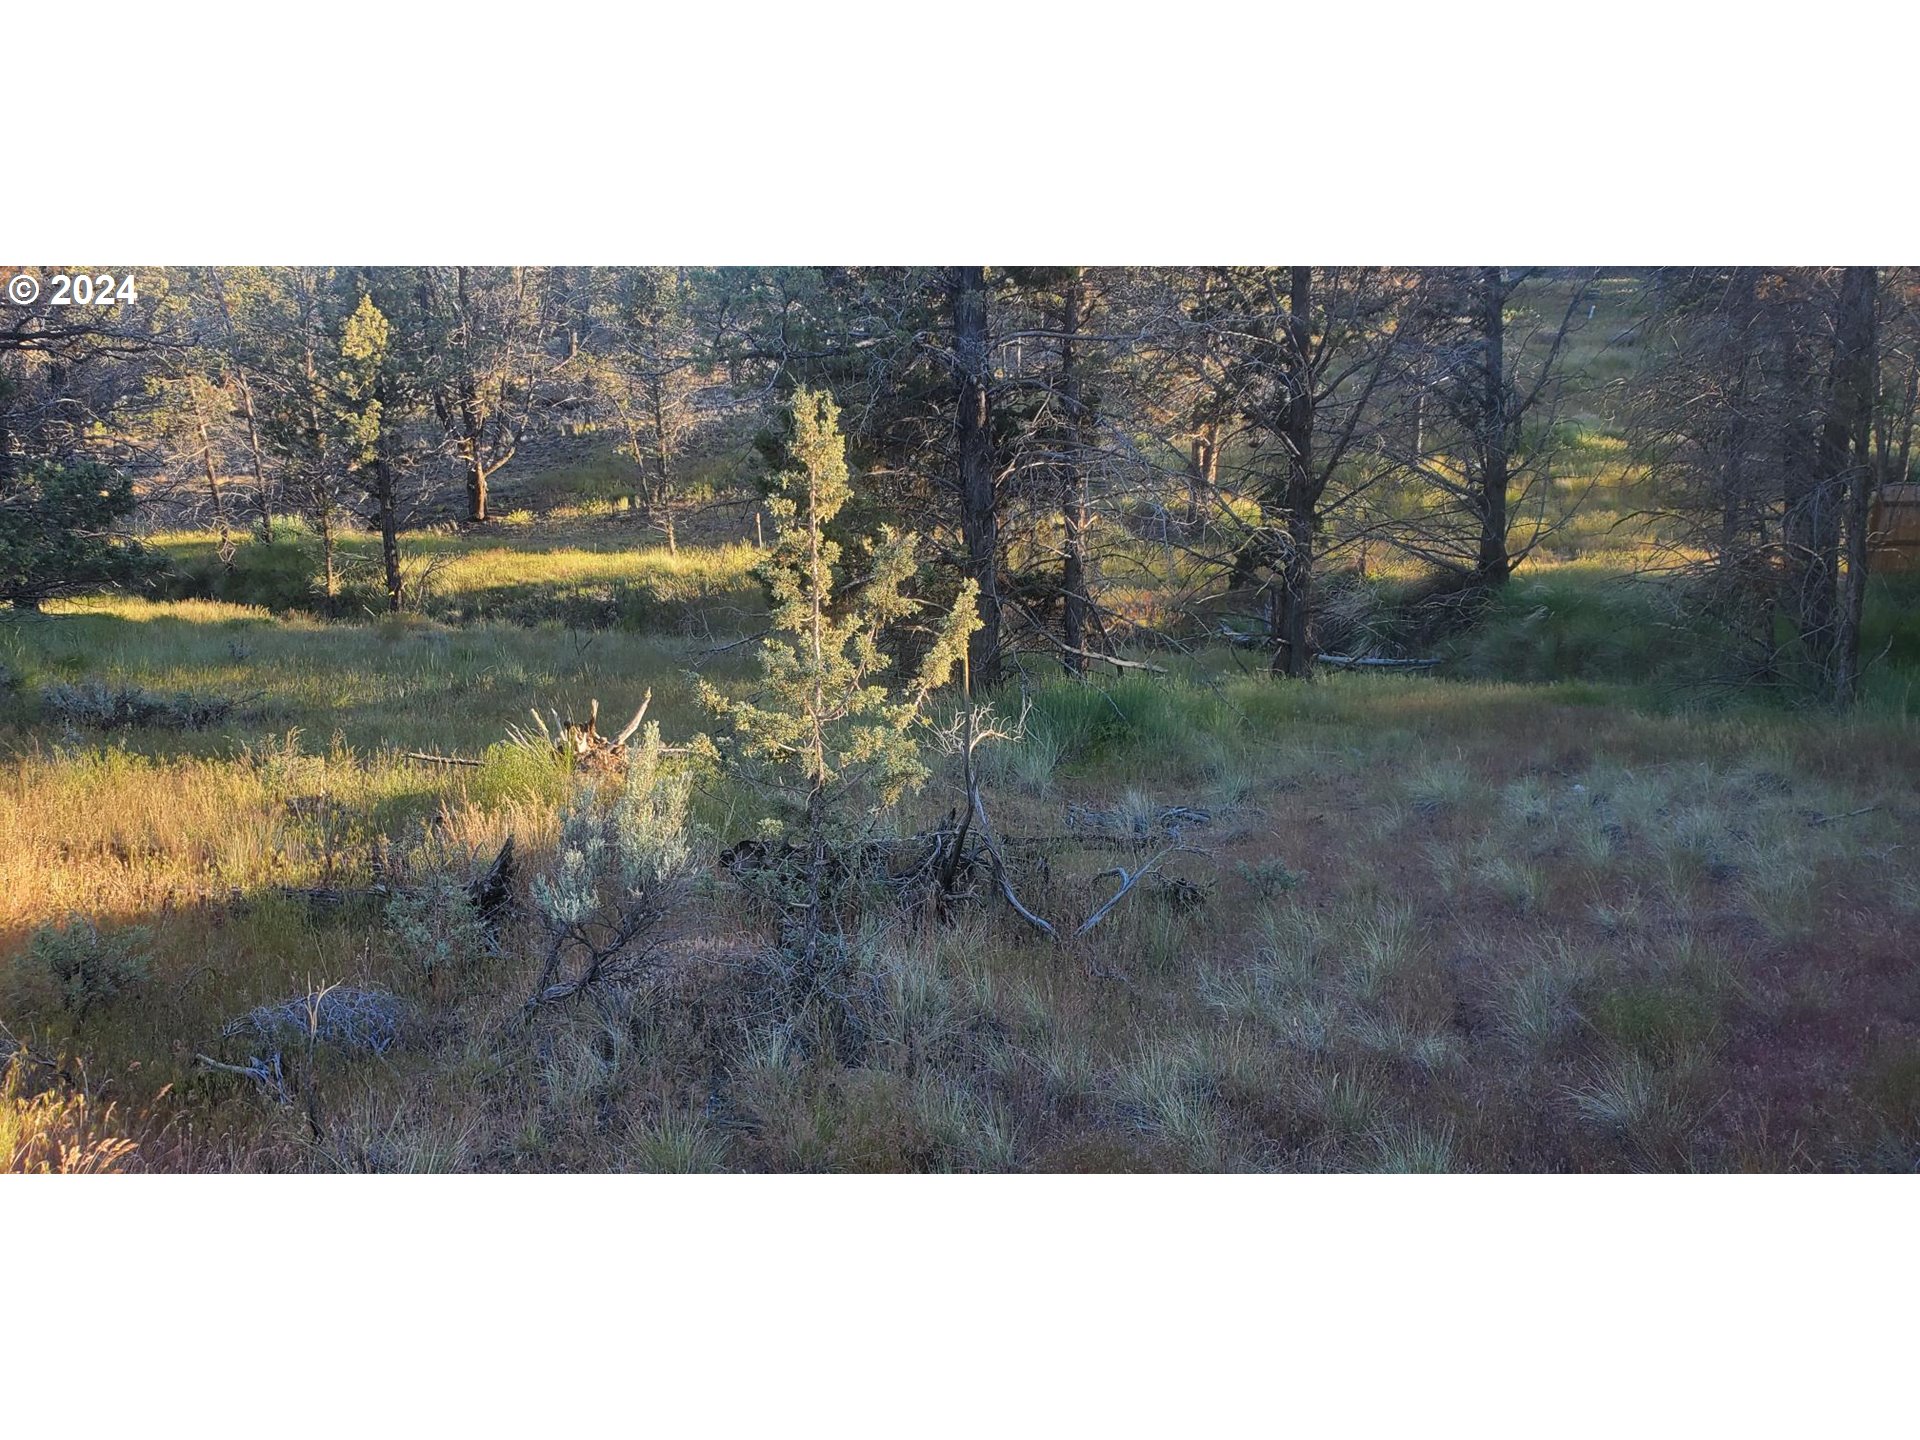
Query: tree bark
[[469, 402], [1494, 566], [262, 491], [470, 442], [1810, 522], [1292, 596], [389, 525], [979, 504], [1073, 501], [663, 464], [319, 486], [206, 456], [1736, 498], [1846, 439], [1203, 472]]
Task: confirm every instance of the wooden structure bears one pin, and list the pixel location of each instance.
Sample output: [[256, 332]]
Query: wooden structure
[[1895, 530]]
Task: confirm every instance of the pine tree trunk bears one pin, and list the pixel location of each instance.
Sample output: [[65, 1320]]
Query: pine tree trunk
[[389, 534], [470, 443], [329, 571], [979, 509], [1493, 565], [1203, 472], [262, 491], [1814, 488], [1073, 504], [1292, 610], [386, 503], [1291, 615], [1846, 442], [470, 423], [663, 463], [213, 479], [476, 490], [1735, 499], [321, 489]]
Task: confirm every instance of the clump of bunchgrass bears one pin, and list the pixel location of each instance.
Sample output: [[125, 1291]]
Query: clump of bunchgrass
[[1389, 1036], [1538, 1008], [674, 1142], [55, 1131], [1640, 1103], [1414, 1149], [381, 1136], [1438, 786], [969, 1131], [1518, 886], [1165, 1092], [1384, 944], [1527, 801], [1343, 1104]]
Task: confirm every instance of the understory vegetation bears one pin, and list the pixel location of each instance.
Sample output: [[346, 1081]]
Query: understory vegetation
[[724, 810], [1430, 925]]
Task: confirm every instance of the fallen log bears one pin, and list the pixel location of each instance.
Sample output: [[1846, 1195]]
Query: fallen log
[[426, 758], [1374, 662]]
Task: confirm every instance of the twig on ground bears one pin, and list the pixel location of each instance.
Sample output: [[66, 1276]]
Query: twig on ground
[[1127, 882], [1829, 819]]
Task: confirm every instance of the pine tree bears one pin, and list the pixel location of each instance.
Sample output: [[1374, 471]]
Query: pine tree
[[366, 353], [823, 733], [59, 533]]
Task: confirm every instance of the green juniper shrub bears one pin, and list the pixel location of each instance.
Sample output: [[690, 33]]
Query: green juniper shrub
[[88, 967]]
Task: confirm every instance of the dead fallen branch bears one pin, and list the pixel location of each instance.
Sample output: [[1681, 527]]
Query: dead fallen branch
[[1129, 879], [973, 735], [582, 742], [265, 1071], [425, 758], [1137, 826], [1830, 819], [1373, 662]]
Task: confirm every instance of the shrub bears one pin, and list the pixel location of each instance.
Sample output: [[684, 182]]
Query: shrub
[[437, 927], [281, 576], [95, 705], [623, 864], [1269, 877], [86, 967]]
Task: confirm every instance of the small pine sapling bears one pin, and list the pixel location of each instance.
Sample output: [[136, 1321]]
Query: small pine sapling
[[823, 734]]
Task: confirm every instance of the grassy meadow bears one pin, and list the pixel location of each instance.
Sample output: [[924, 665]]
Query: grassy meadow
[[1480, 919]]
